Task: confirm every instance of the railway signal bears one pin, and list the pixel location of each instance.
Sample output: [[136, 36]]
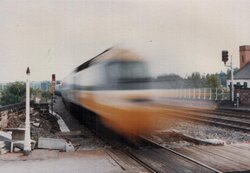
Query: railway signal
[[225, 59], [53, 90], [225, 56]]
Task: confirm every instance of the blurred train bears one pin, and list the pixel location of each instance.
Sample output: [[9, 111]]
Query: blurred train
[[115, 86]]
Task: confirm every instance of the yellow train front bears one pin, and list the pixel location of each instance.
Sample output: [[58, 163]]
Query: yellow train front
[[115, 85]]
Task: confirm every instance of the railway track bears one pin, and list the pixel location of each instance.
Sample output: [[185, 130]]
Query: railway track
[[150, 156], [154, 158], [159, 159], [227, 113], [228, 119]]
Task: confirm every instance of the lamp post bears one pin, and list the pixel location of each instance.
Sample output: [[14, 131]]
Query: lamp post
[[27, 145]]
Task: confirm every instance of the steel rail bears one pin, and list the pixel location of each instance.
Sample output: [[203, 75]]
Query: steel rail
[[222, 124], [182, 155], [225, 114], [142, 163]]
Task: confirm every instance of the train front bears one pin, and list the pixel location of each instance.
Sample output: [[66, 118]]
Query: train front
[[123, 100]]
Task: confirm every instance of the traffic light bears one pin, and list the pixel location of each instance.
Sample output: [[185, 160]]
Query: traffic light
[[225, 56]]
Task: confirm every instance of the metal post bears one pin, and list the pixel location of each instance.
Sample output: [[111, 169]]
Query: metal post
[[232, 79], [204, 93], [53, 83], [216, 94], [222, 93], [27, 144], [51, 104], [238, 100], [199, 96], [210, 94]]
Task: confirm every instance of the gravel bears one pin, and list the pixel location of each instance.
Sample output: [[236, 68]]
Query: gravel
[[195, 130], [205, 131]]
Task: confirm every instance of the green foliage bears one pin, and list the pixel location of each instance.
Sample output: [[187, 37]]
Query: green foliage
[[40, 93], [169, 77], [195, 80], [223, 78], [213, 81], [46, 94], [35, 92], [13, 93], [16, 93]]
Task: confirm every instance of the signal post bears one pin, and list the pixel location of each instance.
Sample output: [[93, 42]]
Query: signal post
[[27, 140], [53, 90], [225, 59]]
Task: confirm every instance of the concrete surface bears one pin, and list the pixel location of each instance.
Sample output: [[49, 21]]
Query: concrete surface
[[61, 123], [44, 161], [50, 143]]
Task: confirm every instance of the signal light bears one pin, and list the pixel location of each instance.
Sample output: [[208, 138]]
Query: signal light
[[225, 56]]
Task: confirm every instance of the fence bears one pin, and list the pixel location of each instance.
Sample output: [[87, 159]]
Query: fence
[[199, 93]]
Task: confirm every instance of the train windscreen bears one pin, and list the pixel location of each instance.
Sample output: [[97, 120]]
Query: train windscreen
[[126, 71]]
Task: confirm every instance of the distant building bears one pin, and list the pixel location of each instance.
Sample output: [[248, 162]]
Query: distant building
[[44, 85], [242, 77], [35, 85]]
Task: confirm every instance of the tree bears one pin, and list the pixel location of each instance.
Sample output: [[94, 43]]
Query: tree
[[196, 80], [46, 94], [213, 81], [13, 93], [40, 93], [169, 77], [223, 78]]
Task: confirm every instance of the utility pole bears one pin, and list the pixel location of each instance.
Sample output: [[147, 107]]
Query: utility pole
[[232, 78], [225, 59], [27, 141]]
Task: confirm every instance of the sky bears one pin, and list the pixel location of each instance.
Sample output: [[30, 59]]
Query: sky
[[174, 36]]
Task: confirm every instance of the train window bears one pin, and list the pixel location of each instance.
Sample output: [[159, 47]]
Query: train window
[[127, 70], [89, 77]]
